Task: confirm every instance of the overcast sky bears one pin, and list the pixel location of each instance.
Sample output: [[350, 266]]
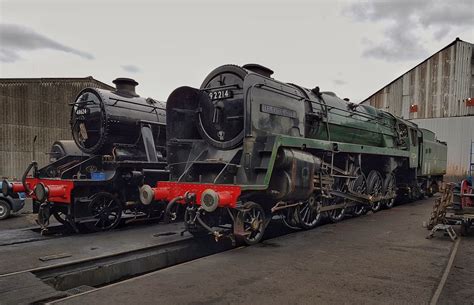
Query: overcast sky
[[351, 47]]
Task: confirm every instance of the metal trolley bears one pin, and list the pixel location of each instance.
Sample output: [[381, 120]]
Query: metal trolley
[[461, 212]]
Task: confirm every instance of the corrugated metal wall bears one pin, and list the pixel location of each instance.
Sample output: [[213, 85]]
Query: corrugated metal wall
[[30, 107], [457, 132], [439, 86]]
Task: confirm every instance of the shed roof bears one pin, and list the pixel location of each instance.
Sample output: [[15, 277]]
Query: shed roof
[[449, 45], [54, 79]]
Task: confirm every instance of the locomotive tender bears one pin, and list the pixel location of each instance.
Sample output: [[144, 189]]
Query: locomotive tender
[[120, 137], [245, 147]]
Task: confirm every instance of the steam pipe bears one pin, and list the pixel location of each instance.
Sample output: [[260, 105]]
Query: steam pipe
[[25, 174], [169, 206]]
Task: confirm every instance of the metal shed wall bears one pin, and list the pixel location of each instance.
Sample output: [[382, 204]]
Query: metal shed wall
[[457, 132], [30, 107], [439, 86]]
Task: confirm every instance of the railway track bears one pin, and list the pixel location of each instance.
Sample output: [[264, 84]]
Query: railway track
[[46, 280], [57, 230], [392, 264], [40, 284], [161, 246]]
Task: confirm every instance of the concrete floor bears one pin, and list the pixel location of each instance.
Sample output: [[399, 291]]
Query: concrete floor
[[374, 259], [459, 288], [32, 248]]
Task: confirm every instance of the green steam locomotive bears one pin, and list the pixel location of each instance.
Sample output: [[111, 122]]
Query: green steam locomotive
[[245, 147]]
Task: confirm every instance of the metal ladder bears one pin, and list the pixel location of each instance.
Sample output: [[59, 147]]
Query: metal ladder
[[437, 220]]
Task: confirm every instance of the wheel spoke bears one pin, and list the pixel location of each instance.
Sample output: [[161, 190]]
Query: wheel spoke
[[305, 215], [253, 222], [309, 215], [110, 203]]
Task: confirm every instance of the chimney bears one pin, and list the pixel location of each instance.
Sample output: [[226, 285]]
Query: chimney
[[258, 69], [125, 86]]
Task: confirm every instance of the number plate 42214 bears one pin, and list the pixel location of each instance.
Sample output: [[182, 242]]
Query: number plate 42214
[[220, 94]]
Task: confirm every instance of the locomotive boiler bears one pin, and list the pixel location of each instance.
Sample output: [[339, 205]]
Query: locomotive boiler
[[244, 147], [104, 122], [64, 148], [121, 141]]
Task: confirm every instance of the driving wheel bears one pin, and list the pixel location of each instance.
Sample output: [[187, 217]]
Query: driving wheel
[[309, 212], [252, 217], [374, 188], [106, 211]]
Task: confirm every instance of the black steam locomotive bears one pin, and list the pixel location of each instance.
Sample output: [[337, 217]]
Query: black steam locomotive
[[245, 147], [121, 141]]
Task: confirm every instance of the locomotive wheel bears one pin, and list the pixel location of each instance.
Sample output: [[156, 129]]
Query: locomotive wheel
[[359, 210], [337, 215], [290, 218], [309, 213], [254, 222], [390, 187], [374, 188], [359, 185], [107, 211]]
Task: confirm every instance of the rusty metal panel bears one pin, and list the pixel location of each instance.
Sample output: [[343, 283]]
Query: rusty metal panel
[[445, 81], [396, 96], [432, 84], [458, 133], [439, 86], [465, 66], [422, 87], [416, 95], [34, 107], [438, 76], [405, 107]]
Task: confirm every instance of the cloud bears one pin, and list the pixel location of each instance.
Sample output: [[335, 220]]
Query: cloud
[[8, 55], [444, 13], [441, 33], [405, 21], [401, 44], [339, 82], [131, 68], [15, 39]]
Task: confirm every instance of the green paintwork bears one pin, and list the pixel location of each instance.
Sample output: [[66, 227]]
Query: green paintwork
[[286, 141], [365, 125], [321, 122], [433, 155]]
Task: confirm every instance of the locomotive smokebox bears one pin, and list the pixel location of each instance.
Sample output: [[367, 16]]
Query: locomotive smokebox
[[110, 122], [125, 86]]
